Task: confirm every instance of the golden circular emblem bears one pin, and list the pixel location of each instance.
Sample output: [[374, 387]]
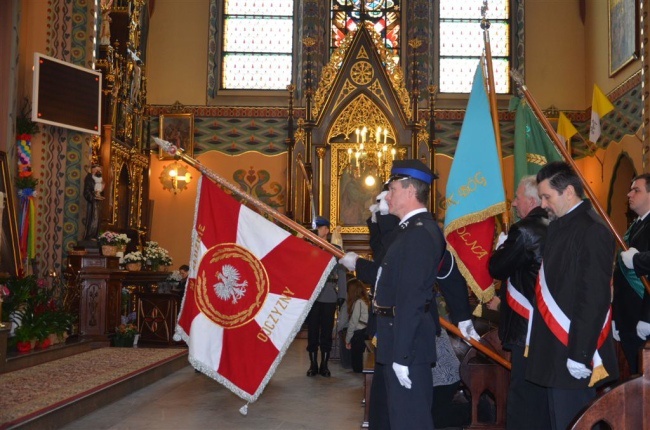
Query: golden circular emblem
[[231, 285], [362, 73]]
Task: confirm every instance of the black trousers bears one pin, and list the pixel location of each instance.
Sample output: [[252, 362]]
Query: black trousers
[[358, 346], [632, 345], [320, 323], [527, 405], [410, 409], [565, 405], [378, 415]]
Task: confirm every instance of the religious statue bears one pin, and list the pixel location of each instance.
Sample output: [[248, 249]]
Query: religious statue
[[93, 198], [105, 29]]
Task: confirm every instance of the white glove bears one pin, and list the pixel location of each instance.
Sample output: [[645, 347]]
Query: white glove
[[577, 370], [383, 204], [467, 330], [402, 373], [502, 238], [643, 329], [627, 257], [373, 211], [615, 334], [349, 260]]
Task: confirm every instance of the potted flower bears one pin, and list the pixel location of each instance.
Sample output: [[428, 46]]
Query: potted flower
[[125, 335], [112, 242], [156, 256], [133, 261]]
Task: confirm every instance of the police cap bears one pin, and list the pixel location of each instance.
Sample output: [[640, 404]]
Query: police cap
[[413, 169]]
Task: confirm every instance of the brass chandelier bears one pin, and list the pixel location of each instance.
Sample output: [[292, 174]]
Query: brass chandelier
[[372, 154]]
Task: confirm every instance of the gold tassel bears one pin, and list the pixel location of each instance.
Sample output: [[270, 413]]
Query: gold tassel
[[374, 341], [478, 312], [598, 374], [526, 351]]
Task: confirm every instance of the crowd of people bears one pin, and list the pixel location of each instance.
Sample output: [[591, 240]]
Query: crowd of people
[[558, 315]]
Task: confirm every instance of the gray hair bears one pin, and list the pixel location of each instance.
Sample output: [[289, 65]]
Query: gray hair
[[530, 188]]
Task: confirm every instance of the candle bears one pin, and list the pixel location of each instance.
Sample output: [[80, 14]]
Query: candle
[[363, 134], [385, 134], [392, 152], [356, 158], [349, 155], [357, 135], [377, 134]]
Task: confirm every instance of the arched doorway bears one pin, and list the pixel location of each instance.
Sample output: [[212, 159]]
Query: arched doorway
[[617, 206]]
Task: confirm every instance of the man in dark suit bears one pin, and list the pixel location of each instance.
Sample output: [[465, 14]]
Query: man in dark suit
[[631, 302], [571, 348], [406, 329], [516, 262]]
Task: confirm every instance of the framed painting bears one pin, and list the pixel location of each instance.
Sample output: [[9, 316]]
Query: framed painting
[[350, 195], [623, 34], [177, 128]]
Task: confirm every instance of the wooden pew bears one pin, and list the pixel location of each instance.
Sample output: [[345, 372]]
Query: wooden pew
[[480, 374], [368, 373], [626, 406]]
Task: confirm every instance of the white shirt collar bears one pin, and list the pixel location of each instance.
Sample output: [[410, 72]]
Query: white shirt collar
[[578, 204], [410, 214], [641, 218]]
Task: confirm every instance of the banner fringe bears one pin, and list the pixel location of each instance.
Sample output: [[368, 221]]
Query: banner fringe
[[598, 374]]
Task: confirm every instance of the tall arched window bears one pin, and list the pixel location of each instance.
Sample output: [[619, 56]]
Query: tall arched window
[[257, 45], [257, 39], [460, 43]]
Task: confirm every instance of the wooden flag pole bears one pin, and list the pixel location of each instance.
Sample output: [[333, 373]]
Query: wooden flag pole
[[567, 157], [254, 202], [305, 233], [476, 344], [492, 94]]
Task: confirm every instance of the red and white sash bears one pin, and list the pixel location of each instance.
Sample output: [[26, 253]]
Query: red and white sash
[[558, 322], [521, 306]]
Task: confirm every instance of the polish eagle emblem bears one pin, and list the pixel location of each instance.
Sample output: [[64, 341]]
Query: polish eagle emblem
[[229, 287]]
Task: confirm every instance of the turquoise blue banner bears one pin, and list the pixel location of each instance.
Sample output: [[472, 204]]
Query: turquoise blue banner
[[475, 186]]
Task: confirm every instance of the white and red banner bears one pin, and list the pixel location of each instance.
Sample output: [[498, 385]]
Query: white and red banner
[[251, 285]]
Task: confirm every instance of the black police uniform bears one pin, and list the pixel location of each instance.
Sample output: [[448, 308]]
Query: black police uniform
[[406, 330]]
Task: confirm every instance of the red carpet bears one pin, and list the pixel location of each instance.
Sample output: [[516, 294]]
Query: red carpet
[[33, 391]]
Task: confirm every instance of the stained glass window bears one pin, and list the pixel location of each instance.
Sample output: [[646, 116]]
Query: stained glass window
[[385, 15], [461, 43], [257, 44]]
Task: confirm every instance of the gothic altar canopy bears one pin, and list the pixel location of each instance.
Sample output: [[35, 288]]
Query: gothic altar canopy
[[359, 118]]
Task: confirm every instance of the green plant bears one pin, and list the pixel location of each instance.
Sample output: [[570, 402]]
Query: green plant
[[36, 307], [126, 331], [24, 123], [26, 182], [26, 329]]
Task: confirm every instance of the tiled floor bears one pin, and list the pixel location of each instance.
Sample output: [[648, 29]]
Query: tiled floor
[[189, 400]]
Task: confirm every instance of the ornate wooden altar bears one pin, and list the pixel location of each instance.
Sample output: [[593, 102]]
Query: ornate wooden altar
[[123, 149], [101, 293], [362, 88]]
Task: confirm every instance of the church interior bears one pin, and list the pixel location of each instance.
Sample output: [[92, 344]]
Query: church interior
[[301, 105]]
